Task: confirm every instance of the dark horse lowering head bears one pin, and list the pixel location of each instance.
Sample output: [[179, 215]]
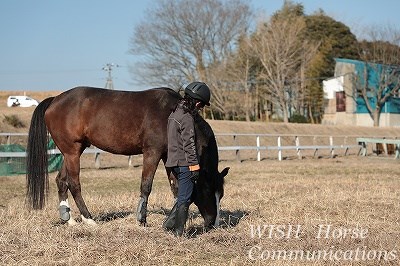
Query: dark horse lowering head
[[118, 122]]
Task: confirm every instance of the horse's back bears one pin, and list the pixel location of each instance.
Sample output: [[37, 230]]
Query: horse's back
[[121, 122]]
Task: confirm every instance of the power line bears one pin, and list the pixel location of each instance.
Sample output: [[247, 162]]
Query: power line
[[44, 71]]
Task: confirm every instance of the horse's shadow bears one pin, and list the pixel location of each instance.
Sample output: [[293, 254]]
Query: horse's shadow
[[228, 219], [111, 216]]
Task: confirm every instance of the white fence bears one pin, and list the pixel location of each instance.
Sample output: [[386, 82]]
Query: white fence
[[21, 138], [387, 145], [297, 144], [257, 146]]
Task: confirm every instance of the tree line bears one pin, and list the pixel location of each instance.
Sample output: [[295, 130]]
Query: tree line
[[265, 69]]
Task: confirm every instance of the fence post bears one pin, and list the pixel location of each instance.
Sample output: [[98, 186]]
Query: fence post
[[279, 149], [258, 149], [236, 143], [331, 144], [97, 160], [315, 144], [297, 142], [385, 149], [345, 144]]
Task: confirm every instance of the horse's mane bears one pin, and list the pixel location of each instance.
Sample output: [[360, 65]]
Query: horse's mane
[[168, 97], [204, 126], [170, 91]]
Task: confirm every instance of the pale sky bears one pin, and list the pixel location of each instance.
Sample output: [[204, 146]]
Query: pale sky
[[57, 45]]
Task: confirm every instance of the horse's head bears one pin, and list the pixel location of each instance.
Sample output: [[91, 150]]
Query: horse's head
[[209, 189], [208, 193]]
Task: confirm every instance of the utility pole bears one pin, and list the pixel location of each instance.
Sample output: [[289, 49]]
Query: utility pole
[[109, 67]]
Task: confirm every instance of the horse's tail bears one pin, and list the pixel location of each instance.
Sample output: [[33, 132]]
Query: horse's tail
[[37, 176]]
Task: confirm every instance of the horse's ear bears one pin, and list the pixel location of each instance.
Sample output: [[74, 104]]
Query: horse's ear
[[224, 172]]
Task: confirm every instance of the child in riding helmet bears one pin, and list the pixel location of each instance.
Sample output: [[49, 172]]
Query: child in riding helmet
[[182, 152]]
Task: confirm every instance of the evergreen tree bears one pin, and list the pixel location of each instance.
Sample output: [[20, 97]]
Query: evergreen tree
[[336, 41]]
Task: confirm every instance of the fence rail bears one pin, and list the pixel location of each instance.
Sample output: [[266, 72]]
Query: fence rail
[[295, 144], [380, 142], [231, 142], [261, 144]]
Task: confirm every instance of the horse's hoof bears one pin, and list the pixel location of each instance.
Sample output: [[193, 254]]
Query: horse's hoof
[[144, 224], [71, 222], [88, 221]]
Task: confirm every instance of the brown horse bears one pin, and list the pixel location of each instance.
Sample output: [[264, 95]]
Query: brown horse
[[119, 122]]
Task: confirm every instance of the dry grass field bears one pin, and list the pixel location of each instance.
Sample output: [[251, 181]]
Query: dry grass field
[[340, 211], [342, 194]]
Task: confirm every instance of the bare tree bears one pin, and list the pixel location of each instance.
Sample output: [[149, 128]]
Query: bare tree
[[379, 79], [280, 48], [243, 72], [381, 44], [181, 39], [233, 80]]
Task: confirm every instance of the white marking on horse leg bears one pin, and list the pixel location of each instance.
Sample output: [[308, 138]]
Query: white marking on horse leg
[[72, 222], [88, 221], [216, 223], [64, 203]]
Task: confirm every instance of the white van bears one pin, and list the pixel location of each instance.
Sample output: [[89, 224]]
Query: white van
[[22, 101]]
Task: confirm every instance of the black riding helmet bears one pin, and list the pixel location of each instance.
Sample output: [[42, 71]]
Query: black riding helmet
[[199, 91]]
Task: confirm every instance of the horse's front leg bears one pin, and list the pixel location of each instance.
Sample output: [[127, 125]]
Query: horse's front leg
[[150, 163], [74, 185]]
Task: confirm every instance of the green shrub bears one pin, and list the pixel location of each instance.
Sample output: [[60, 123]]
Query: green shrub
[[298, 118]]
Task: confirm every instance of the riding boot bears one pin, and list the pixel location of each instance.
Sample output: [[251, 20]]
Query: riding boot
[[180, 221], [169, 223]]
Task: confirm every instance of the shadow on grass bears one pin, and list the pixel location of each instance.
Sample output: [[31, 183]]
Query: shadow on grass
[[111, 216], [228, 219], [104, 168]]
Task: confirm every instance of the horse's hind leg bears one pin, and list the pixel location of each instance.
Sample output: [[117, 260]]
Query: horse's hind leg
[[150, 163], [73, 167], [64, 209]]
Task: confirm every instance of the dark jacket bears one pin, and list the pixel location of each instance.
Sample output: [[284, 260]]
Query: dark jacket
[[181, 139]]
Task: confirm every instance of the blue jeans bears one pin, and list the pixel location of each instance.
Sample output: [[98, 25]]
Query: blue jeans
[[185, 184]]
